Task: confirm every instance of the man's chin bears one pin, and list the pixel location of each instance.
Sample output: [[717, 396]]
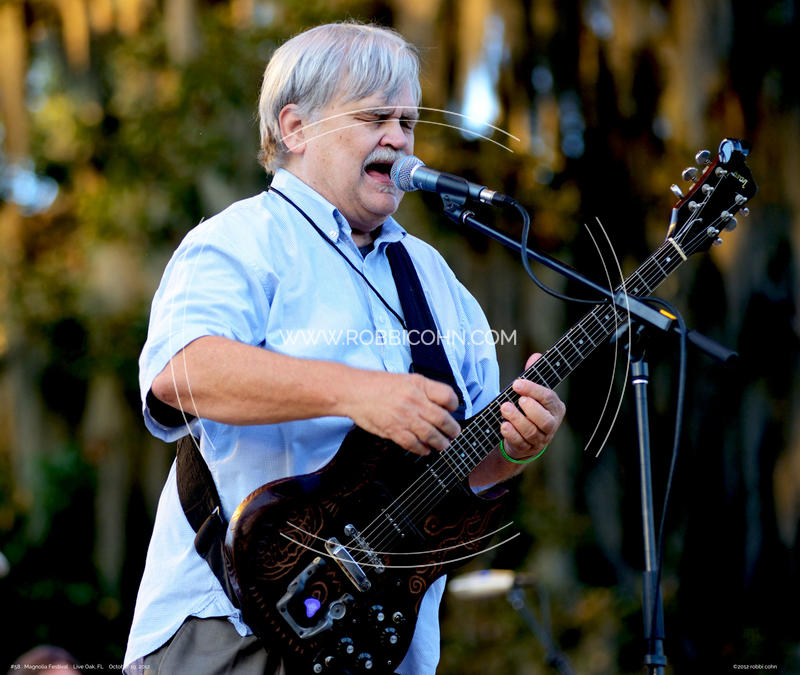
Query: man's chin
[[387, 202]]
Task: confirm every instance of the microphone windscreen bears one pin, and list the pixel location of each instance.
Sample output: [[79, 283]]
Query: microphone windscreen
[[401, 172]]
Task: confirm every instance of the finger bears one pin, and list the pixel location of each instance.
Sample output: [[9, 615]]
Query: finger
[[529, 388], [408, 441], [513, 442], [441, 420], [547, 398], [524, 426], [433, 438], [441, 394], [544, 420], [532, 359]]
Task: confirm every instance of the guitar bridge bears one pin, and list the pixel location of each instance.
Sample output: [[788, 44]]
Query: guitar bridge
[[372, 557], [349, 566]]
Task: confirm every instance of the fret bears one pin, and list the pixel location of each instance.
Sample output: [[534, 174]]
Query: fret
[[636, 285], [573, 355], [559, 352], [549, 365], [655, 260], [542, 380], [591, 342]]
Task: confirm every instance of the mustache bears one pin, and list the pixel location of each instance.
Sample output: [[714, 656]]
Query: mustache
[[383, 155]]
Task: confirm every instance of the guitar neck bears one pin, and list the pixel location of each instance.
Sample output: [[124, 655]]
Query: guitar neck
[[482, 434]]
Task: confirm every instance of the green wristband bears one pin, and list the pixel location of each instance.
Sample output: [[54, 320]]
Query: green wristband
[[527, 460]]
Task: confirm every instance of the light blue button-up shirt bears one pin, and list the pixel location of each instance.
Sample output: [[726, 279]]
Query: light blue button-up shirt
[[260, 274]]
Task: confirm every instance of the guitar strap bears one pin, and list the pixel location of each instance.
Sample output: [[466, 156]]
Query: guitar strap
[[428, 357], [196, 489]]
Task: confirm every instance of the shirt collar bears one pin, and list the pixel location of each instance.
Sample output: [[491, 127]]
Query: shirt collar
[[326, 215]]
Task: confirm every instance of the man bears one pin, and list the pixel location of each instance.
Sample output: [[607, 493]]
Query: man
[[240, 327]]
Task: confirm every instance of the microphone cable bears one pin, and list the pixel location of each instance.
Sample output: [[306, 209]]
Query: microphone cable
[[526, 228]]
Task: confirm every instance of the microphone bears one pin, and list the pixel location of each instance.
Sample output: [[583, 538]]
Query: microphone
[[410, 173]]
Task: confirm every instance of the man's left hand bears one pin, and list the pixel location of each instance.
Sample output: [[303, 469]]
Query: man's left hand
[[530, 425]]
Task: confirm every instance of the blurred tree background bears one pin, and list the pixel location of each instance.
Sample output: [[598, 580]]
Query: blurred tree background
[[125, 122]]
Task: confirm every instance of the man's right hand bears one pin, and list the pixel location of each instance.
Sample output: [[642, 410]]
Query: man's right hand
[[410, 410], [233, 383]]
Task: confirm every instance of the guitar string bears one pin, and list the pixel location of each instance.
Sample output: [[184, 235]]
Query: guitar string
[[437, 563], [494, 416], [641, 272], [370, 551], [489, 419]]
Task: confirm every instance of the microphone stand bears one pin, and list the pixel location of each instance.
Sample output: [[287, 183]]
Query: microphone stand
[[652, 606], [540, 629], [644, 318]]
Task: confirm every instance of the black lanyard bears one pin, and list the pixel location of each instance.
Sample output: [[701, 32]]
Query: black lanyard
[[341, 253], [427, 353]]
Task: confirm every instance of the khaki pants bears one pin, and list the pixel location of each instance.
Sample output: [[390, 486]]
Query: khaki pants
[[206, 647]]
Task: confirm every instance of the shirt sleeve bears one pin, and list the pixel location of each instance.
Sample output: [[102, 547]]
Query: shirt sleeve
[[209, 287]]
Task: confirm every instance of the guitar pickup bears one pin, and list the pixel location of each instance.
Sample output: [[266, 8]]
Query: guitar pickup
[[349, 566]]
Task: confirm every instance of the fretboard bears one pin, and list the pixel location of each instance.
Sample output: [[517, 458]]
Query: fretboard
[[482, 433]]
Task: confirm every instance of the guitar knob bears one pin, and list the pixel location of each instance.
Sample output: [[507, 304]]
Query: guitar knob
[[676, 191], [398, 618], [365, 661], [389, 637], [377, 614], [703, 158], [689, 173], [346, 646]]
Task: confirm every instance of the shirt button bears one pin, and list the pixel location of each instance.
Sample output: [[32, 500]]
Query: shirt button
[[332, 234]]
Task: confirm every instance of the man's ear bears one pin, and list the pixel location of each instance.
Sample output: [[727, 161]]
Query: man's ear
[[292, 127]]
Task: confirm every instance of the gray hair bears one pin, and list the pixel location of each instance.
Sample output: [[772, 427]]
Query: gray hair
[[350, 59]]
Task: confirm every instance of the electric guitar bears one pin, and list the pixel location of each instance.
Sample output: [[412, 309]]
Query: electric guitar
[[330, 568]]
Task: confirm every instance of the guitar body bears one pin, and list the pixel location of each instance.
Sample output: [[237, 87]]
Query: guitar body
[[307, 599]]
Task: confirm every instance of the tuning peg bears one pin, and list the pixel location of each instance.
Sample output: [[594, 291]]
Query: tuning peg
[[689, 173], [717, 242], [703, 158], [731, 224], [744, 211], [676, 191]]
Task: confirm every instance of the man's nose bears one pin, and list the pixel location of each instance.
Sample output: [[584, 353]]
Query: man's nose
[[394, 135]]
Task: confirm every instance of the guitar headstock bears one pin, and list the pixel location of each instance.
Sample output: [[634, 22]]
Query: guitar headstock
[[722, 187]]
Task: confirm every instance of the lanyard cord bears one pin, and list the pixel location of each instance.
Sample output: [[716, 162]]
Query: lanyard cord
[[341, 253]]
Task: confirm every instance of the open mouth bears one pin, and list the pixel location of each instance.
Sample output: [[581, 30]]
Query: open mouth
[[379, 171]]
